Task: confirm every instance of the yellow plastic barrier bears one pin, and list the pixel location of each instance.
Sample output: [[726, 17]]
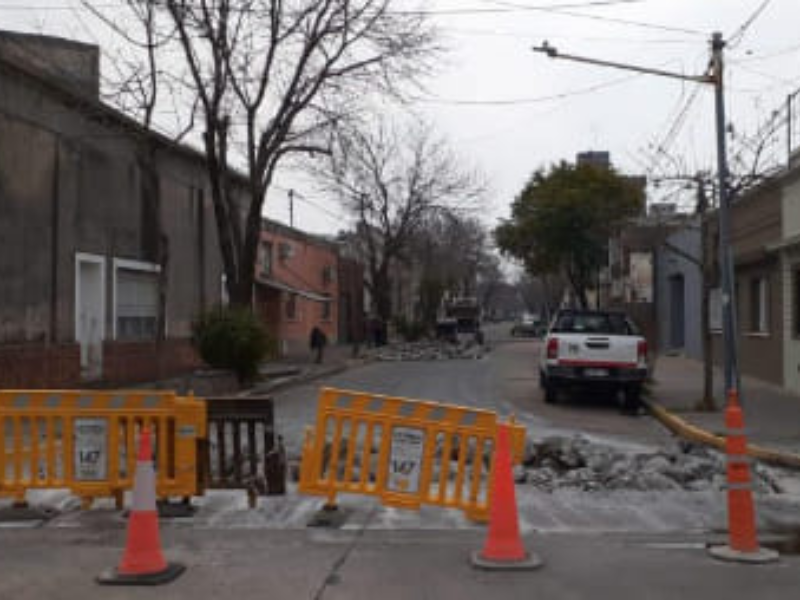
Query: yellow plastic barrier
[[405, 452], [85, 441]]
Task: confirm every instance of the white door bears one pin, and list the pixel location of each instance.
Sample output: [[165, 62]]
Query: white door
[[90, 313]]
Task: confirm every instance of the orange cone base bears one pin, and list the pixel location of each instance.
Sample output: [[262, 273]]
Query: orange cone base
[[759, 556], [528, 563], [114, 577]]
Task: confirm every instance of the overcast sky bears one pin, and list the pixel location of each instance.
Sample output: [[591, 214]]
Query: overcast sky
[[508, 111]]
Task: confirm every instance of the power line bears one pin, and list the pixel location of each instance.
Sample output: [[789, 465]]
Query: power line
[[615, 20], [298, 196], [774, 54], [507, 7], [737, 36], [661, 149], [534, 100], [470, 31], [424, 12], [775, 78], [53, 7]]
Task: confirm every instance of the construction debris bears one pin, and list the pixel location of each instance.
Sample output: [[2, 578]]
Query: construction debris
[[561, 462], [432, 350]]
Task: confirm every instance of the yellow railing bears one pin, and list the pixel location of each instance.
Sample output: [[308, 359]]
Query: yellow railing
[[405, 452], [85, 441]]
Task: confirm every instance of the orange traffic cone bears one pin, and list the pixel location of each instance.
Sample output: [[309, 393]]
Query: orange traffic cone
[[743, 540], [142, 563], [503, 549]]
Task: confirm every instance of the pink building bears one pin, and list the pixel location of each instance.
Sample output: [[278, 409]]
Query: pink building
[[297, 286]]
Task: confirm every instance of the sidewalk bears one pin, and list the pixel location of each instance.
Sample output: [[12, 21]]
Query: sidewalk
[[290, 370], [772, 414]]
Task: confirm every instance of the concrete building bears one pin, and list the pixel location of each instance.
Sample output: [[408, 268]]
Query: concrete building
[[679, 292], [762, 230], [107, 239], [756, 225]]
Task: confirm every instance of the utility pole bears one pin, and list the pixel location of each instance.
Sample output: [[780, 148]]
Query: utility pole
[[715, 78], [725, 255], [706, 273]]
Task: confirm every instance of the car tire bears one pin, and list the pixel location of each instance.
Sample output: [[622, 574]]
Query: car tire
[[632, 399], [550, 392]]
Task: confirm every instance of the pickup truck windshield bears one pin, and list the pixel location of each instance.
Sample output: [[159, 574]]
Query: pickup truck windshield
[[602, 323]]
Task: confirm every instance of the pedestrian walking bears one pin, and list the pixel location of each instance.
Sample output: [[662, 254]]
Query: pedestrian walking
[[317, 342]]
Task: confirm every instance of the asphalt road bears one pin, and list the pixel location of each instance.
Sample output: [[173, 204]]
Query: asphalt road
[[505, 380]]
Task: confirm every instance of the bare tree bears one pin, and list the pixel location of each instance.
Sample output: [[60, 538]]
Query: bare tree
[[270, 77], [393, 180], [452, 255]]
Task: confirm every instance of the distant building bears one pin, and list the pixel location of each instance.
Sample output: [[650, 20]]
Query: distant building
[[594, 158], [305, 280], [662, 209]]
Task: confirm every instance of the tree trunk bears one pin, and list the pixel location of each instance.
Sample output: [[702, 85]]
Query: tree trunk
[[381, 293]]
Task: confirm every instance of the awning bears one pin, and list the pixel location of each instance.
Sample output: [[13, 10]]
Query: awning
[[284, 287]]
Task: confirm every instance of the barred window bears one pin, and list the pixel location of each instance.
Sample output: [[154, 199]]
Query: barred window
[[136, 304]]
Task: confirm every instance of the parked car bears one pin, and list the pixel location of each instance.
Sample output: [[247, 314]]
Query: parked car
[[597, 350], [527, 326]]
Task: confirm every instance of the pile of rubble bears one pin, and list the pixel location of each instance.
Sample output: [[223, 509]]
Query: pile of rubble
[[577, 463], [431, 350]]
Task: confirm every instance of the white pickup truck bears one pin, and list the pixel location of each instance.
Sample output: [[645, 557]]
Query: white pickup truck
[[600, 350]]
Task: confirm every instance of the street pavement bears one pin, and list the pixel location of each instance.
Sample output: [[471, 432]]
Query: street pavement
[[771, 413], [60, 564], [644, 545]]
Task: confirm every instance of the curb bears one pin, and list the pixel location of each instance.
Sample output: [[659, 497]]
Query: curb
[[686, 430], [301, 379]]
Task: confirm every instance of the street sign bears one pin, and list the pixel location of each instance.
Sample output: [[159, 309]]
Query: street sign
[[406, 459], [90, 437]]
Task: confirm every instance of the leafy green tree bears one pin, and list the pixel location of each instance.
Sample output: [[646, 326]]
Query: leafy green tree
[[561, 221]]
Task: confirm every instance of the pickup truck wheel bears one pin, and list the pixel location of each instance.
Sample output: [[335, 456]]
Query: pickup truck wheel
[[633, 400], [550, 393]]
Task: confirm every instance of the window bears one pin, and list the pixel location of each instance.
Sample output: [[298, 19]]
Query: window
[[594, 323], [327, 275], [326, 311], [758, 305], [291, 306], [136, 301], [285, 251], [265, 259]]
